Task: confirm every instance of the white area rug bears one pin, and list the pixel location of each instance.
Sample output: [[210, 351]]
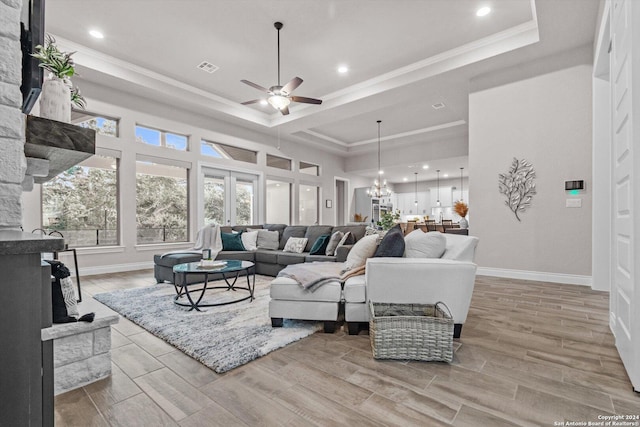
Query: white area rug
[[222, 337]]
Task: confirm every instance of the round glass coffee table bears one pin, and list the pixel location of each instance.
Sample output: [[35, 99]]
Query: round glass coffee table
[[229, 271]]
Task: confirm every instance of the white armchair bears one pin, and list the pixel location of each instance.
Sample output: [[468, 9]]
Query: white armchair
[[416, 280]]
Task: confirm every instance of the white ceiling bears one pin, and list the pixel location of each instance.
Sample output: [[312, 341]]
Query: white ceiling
[[403, 56]]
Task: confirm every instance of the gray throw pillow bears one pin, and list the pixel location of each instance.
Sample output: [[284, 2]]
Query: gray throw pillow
[[419, 244], [392, 244], [333, 243], [268, 239]]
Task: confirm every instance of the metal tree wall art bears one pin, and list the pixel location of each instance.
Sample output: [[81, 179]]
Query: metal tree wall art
[[518, 185]]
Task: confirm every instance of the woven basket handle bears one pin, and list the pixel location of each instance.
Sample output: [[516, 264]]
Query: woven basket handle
[[445, 306]]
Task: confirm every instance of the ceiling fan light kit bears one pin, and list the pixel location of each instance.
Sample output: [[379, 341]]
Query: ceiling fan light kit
[[280, 96]]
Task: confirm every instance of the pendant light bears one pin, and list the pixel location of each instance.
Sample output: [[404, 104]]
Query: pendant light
[[379, 188], [461, 183], [438, 181]]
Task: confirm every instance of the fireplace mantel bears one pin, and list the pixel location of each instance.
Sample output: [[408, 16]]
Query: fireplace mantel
[[63, 145]]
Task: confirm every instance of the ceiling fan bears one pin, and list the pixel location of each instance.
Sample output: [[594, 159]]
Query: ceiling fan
[[280, 96]]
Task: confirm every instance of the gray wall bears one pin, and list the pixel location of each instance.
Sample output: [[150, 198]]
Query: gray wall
[[546, 119]]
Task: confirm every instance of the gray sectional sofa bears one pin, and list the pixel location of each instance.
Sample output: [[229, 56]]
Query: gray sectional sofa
[[267, 261]]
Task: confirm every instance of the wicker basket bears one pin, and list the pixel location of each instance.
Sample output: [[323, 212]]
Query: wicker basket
[[411, 331]]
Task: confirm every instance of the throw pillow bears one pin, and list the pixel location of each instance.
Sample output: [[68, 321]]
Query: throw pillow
[[344, 239], [419, 244], [268, 239], [232, 242], [295, 245], [250, 240], [320, 245], [333, 243], [392, 244], [363, 249]]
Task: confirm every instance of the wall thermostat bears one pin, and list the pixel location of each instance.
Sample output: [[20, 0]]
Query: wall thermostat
[[574, 185]]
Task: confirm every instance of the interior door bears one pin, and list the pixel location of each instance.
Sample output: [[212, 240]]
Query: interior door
[[624, 290]]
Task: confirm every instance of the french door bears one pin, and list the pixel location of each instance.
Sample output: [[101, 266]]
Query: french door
[[230, 197]]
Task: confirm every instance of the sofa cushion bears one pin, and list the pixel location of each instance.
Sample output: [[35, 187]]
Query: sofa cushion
[[419, 244], [177, 258], [321, 258], [460, 248], [292, 231], [241, 255], [232, 242], [333, 243], [363, 249], [285, 288], [355, 289], [267, 256], [295, 245], [319, 247], [392, 244], [287, 258], [268, 239], [246, 227], [315, 231], [226, 229], [249, 240]]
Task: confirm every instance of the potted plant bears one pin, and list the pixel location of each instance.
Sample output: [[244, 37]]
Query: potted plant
[[58, 92], [389, 219], [461, 208]]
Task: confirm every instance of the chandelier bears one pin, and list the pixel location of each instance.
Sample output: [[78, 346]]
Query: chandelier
[[379, 188]]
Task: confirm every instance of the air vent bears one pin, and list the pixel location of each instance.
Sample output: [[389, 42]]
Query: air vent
[[208, 67], [438, 106]]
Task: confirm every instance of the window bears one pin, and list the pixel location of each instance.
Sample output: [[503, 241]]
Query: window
[[308, 209], [214, 197], [82, 203], [278, 202], [161, 203], [160, 138], [309, 168], [223, 151], [278, 162], [244, 202], [101, 124]]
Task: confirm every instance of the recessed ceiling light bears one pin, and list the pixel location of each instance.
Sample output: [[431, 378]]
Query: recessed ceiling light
[[97, 34], [342, 69], [425, 167], [446, 175], [405, 179], [381, 172], [263, 102], [483, 11]]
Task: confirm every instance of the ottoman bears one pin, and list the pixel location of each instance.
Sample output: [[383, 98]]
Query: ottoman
[[163, 266], [289, 300]]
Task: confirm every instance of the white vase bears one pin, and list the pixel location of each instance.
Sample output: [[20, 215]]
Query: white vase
[[55, 100], [463, 223]]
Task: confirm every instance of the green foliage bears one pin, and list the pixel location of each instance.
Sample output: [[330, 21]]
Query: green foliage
[[161, 202], [59, 63], [389, 219], [77, 99]]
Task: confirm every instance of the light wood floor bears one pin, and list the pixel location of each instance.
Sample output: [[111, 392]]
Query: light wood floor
[[531, 353]]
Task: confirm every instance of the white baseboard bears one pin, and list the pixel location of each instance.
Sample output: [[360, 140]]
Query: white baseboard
[[540, 276], [114, 268]]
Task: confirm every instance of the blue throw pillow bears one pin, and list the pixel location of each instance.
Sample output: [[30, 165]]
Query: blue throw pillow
[[392, 244], [320, 245], [232, 242]]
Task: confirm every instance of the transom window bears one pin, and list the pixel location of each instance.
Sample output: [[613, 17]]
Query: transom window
[[103, 125], [278, 162], [160, 138], [224, 151], [309, 168]]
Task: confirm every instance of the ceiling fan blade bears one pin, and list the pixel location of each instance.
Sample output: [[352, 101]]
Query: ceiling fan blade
[[284, 111], [254, 85], [291, 86], [253, 101], [306, 100]]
